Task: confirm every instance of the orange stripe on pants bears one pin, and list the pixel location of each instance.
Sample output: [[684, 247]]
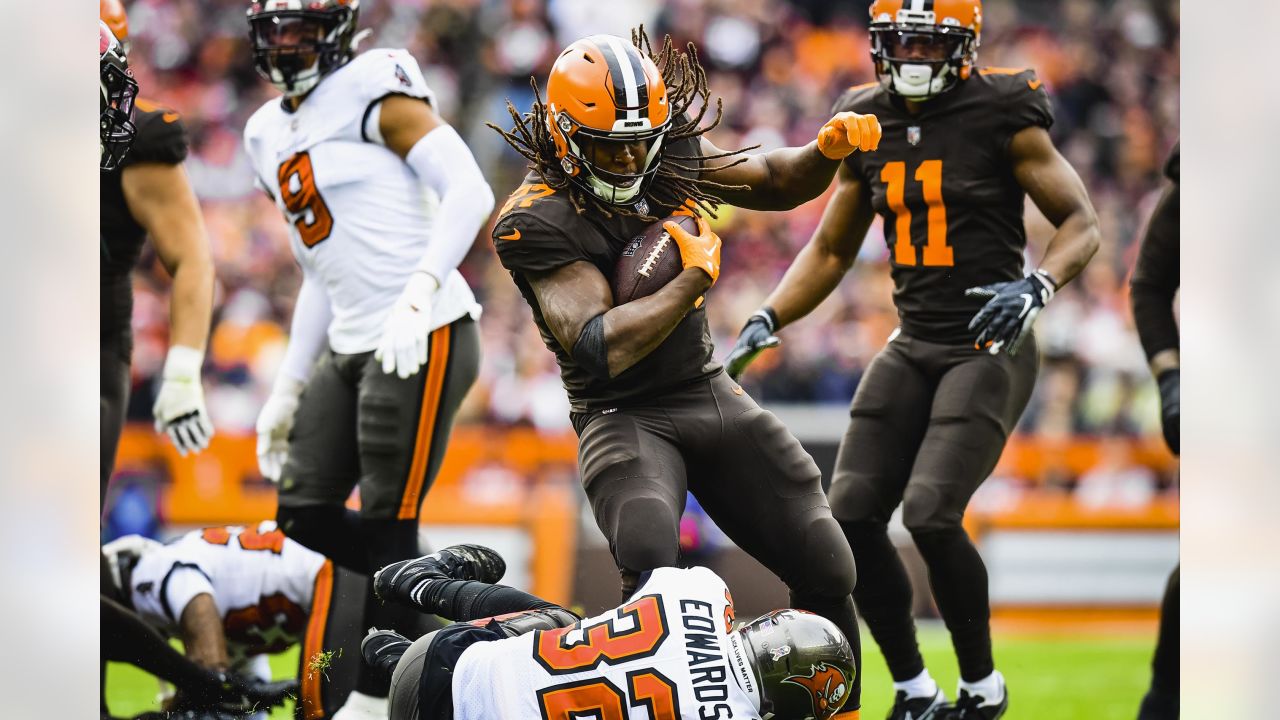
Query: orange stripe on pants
[[313, 643], [437, 364]]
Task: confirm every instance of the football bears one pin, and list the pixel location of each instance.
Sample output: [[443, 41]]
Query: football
[[649, 261]]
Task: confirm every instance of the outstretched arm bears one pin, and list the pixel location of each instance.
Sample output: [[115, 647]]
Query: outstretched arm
[[786, 177], [815, 272]]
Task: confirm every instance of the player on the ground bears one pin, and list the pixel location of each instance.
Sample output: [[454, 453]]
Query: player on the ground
[[669, 651], [611, 150], [232, 595], [962, 147], [383, 200], [146, 194], [1153, 287]]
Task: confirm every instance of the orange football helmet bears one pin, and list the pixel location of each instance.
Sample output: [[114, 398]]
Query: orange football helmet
[[112, 13], [922, 48], [604, 95]]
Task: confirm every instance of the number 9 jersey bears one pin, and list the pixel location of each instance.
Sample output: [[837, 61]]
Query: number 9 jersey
[[360, 219], [943, 184], [667, 653]]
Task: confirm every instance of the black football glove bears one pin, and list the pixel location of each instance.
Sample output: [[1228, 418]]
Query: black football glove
[[1013, 306], [1170, 399], [756, 337]]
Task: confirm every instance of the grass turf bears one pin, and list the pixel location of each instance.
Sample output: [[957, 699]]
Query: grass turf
[[1051, 677]]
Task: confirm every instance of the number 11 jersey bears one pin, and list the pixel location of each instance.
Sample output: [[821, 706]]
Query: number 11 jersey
[[943, 184]]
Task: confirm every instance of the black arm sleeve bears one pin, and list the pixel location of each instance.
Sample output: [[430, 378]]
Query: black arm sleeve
[[591, 351], [1156, 278]]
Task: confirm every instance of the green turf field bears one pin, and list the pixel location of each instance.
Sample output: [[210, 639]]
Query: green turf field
[[1051, 677]]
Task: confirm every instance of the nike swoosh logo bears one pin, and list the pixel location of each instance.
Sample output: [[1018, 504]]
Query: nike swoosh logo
[[1033, 84], [710, 251], [515, 235]]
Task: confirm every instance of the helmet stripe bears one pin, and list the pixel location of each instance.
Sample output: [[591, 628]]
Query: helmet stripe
[[625, 76]]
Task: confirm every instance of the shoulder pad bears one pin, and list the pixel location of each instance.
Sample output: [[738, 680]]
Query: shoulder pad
[[161, 138], [390, 71], [534, 230], [1022, 94]]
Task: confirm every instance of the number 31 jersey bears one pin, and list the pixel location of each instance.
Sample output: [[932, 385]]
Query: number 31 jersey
[[943, 183], [360, 220], [665, 654]]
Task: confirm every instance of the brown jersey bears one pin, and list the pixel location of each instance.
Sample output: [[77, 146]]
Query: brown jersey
[[944, 186], [161, 138], [538, 231]]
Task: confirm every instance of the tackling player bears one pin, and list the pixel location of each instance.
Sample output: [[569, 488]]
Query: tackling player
[[611, 150], [383, 200], [668, 652], [1152, 290], [962, 148], [146, 194]]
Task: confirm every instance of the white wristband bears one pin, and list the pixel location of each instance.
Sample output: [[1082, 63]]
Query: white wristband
[[182, 363]]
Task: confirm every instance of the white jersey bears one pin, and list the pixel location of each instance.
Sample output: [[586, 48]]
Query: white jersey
[[261, 582], [667, 653], [359, 218]]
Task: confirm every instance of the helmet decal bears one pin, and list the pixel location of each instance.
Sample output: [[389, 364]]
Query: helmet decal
[[827, 686]]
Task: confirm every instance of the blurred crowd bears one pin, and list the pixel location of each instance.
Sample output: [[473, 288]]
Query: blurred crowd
[[1111, 67]]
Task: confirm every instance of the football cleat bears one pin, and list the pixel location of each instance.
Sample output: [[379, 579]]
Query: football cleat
[[976, 707], [402, 579], [930, 707], [382, 649]]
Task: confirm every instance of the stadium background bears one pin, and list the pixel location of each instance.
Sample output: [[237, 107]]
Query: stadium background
[[1080, 518]]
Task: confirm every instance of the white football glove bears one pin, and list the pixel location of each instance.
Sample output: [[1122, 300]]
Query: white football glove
[[403, 347], [179, 410], [274, 423]]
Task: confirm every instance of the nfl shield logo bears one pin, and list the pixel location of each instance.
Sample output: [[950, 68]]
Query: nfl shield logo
[[642, 207], [913, 135]]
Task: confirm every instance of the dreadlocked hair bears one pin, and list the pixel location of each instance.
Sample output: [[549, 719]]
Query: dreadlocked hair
[[686, 82]]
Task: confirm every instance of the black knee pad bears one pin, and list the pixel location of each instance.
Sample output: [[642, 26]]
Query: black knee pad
[[926, 509], [541, 619], [646, 533], [824, 566], [856, 497], [307, 524]]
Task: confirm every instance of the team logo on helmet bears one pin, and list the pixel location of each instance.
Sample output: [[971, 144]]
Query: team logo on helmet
[[827, 686]]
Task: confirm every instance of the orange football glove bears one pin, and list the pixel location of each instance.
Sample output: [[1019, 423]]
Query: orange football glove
[[846, 132], [700, 251]]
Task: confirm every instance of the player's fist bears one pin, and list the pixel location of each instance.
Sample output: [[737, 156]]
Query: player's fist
[[1011, 309], [179, 409], [756, 337], [407, 332], [700, 251], [847, 132], [274, 423]]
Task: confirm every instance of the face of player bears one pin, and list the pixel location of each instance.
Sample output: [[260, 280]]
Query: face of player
[[616, 159], [920, 47], [292, 40]]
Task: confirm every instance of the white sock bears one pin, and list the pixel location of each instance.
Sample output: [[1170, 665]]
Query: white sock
[[921, 685], [991, 688], [365, 703]]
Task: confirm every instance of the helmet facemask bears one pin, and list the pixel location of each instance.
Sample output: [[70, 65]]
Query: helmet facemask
[[294, 49], [589, 153], [921, 61], [118, 90]]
